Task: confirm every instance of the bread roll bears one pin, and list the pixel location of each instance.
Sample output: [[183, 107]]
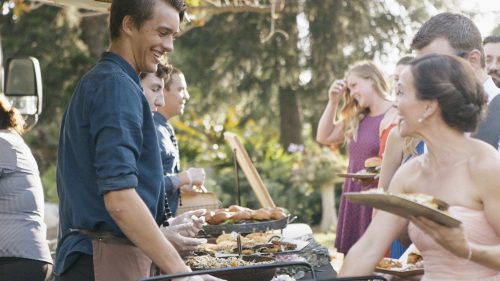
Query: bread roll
[[242, 215], [261, 215], [219, 218], [372, 164], [277, 215], [208, 215]]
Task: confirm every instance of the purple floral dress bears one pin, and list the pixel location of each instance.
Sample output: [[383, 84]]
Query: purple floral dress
[[355, 218]]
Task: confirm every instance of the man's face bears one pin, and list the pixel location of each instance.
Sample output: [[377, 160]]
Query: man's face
[[155, 37], [492, 52], [176, 96], [153, 90], [437, 46]]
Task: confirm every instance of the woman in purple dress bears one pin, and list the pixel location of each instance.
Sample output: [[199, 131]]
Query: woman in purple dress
[[366, 102]]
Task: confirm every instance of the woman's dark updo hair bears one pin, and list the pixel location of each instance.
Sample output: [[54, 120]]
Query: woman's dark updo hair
[[451, 81], [10, 118]]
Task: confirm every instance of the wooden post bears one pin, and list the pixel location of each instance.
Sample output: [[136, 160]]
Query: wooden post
[[249, 170]]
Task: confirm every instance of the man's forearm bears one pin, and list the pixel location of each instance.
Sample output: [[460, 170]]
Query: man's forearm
[[133, 217]]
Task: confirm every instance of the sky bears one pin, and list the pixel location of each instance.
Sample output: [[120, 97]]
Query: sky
[[489, 14]]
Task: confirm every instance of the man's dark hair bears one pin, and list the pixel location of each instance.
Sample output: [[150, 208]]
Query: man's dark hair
[[139, 10], [491, 39], [460, 32], [162, 71]]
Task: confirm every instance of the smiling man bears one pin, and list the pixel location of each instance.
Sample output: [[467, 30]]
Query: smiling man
[[492, 52], [109, 176]]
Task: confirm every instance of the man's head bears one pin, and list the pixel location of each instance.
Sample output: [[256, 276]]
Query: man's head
[[175, 93], [152, 84], [451, 34], [139, 10], [142, 31], [492, 52]]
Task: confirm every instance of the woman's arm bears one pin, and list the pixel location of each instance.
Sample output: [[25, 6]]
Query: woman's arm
[[392, 159], [329, 131], [384, 228]]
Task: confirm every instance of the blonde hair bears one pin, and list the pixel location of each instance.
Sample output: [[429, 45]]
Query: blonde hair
[[350, 112], [410, 147]]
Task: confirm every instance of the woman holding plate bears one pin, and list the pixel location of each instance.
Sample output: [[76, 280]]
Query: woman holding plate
[[439, 99]]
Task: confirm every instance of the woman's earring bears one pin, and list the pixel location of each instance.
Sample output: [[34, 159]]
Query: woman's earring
[[419, 120]]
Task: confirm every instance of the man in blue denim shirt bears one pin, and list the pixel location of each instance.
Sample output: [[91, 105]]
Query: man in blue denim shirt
[[176, 95], [109, 176]]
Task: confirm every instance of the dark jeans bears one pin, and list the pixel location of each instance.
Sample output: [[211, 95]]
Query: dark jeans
[[20, 269], [81, 270]]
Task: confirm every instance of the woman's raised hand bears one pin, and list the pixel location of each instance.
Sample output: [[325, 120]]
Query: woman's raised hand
[[336, 90]]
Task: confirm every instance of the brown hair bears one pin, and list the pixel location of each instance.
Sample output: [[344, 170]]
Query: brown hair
[[10, 118], [460, 32], [168, 81], [451, 81], [162, 71], [139, 10], [350, 111]]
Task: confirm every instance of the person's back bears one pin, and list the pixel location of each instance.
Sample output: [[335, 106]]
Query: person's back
[[24, 252]]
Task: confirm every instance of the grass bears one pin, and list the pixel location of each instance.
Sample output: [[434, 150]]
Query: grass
[[328, 240]]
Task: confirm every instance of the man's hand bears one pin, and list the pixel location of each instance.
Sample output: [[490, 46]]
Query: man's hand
[[182, 244], [196, 176], [193, 222]]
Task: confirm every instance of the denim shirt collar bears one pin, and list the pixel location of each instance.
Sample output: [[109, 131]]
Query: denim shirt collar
[[127, 68], [160, 118]]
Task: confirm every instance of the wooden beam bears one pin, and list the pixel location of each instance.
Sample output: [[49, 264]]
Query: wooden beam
[[249, 170]]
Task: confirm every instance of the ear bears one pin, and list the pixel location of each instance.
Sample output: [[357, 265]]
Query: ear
[[474, 58], [128, 25], [431, 108]]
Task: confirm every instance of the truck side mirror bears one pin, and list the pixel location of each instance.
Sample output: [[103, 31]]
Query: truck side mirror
[[23, 84]]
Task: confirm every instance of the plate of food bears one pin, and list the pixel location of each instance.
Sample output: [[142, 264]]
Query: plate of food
[[244, 220], [371, 170], [257, 243], [251, 274], [405, 205], [409, 264]]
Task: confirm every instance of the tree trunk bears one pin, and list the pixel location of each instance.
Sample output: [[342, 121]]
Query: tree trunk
[[94, 34], [290, 118], [329, 212]]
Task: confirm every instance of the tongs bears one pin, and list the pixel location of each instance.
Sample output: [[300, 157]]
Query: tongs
[[238, 244]]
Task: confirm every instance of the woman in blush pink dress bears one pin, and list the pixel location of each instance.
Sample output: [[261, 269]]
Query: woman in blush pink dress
[[366, 103], [439, 99]]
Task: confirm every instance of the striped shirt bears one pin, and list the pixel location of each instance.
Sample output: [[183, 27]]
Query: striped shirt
[[23, 232]]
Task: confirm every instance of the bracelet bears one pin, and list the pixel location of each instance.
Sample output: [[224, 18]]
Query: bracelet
[[189, 178]]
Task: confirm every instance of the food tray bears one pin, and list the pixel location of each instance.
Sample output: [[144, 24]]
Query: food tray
[[251, 274], [301, 244], [401, 206], [245, 227]]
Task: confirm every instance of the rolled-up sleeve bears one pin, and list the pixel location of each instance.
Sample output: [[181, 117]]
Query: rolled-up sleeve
[[116, 133]]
